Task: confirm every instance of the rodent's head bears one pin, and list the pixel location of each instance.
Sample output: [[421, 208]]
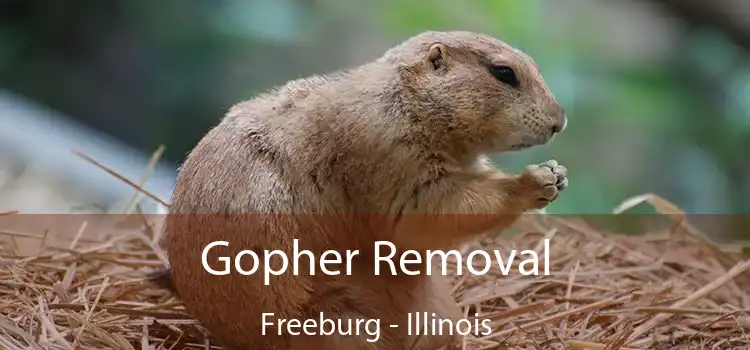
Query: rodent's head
[[489, 94]]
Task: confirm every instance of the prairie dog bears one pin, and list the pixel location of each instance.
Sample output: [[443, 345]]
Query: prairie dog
[[342, 160]]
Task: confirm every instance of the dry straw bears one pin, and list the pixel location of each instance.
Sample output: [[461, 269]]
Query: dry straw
[[667, 289]]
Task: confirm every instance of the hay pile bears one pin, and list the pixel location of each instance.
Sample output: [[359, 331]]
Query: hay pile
[[663, 290]]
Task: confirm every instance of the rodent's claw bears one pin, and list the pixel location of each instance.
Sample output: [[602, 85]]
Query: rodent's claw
[[560, 171], [544, 182]]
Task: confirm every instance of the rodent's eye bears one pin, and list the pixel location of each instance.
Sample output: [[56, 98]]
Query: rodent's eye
[[505, 74]]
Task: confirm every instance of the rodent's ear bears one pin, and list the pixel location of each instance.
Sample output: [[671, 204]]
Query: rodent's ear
[[436, 56]]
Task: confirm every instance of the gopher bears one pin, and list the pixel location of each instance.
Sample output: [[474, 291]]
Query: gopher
[[393, 150]]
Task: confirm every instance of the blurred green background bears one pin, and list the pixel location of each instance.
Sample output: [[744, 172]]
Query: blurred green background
[[657, 92]]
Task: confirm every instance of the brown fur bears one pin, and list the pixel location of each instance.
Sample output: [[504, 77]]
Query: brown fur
[[391, 141]]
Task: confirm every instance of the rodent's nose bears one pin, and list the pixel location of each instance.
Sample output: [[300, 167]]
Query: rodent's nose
[[560, 127]]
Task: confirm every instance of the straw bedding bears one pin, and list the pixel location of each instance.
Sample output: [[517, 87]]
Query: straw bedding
[[667, 289]]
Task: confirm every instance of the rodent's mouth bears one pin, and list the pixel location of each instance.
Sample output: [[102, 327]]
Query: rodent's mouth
[[529, 142], [521, 146]]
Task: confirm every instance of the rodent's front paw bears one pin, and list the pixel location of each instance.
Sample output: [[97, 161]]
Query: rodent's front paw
[[542, 183]]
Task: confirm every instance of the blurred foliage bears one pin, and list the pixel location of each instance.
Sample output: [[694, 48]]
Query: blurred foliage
[[153, 73]]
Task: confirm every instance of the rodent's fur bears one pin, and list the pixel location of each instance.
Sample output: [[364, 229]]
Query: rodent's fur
[[396, 139]]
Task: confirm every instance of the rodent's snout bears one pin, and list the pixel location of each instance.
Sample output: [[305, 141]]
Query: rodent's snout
[[561, 125], [561, 120]]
